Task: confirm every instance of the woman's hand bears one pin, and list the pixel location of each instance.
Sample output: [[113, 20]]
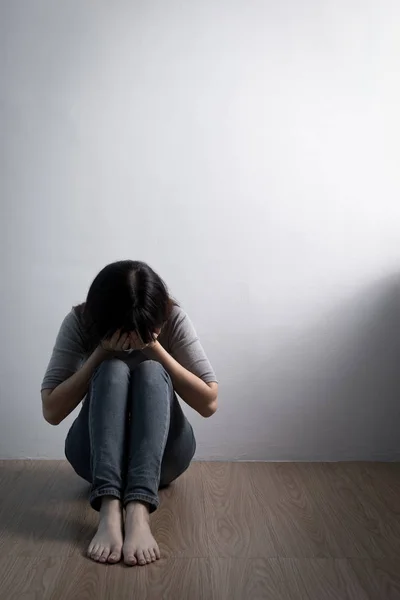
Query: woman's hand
[[126, 341], [117, 342], [137, 342]]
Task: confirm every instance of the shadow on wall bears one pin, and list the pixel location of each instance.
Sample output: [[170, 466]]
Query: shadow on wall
[[333, 393]]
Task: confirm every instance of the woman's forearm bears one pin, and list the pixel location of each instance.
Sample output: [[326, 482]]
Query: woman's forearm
[[193, 390], [61, 401]]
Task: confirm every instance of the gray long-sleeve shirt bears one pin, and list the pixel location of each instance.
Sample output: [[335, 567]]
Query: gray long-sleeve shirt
[[178, 337]]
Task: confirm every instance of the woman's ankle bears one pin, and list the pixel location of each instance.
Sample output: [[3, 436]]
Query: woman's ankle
[[138, 509], [110, 505]]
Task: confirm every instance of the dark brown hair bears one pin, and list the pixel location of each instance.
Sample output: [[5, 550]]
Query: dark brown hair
[[126, 295]]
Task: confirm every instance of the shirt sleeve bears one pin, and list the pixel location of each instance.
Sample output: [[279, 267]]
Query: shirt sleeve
[[68, 353], [185, 347]]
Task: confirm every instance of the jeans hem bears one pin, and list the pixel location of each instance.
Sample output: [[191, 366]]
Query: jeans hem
[[95, 497], [151, 500]]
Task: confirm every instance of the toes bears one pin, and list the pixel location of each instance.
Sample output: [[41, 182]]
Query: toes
[[130, 558], [92, 550], [96, 553], [140, 557], [115, 556], [152, 555], [147, 556], [157, 552], [104, 555]]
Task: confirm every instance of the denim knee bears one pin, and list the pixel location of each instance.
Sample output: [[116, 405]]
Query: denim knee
[[114, 369], [151, 369]]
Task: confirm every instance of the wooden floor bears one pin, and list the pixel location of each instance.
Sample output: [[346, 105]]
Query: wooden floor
[[227, 531]]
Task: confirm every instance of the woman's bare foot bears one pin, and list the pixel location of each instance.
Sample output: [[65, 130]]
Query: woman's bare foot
[[140, 547], [106, 546]]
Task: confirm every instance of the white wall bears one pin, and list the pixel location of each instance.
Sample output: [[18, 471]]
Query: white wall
[[247, 149]]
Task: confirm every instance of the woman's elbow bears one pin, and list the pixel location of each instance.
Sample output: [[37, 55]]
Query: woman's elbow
[[210, 409], [48, 415], [53, 422], [212, 403], [49, 418]]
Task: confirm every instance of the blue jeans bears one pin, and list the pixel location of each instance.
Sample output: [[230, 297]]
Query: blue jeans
[[131, 436]]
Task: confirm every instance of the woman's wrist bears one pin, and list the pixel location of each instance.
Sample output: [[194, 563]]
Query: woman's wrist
[[152, 350], [100, 354]]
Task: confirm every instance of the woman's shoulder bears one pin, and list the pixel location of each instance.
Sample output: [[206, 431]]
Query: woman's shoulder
[[177, 316], [178, 327], [172, 325], [74, 318], [72, 326]]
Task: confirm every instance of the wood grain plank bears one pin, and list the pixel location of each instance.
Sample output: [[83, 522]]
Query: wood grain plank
[[240, 514], [28, 490], [380, 579], [298, 526], [10, 472], [28, 578], [359, 529], [164, 580], [385, 481], [255, 578], [81, 578], [237, 526], [50, 521], [20, 480], [379, 497], [179, 524], [321, 579]]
